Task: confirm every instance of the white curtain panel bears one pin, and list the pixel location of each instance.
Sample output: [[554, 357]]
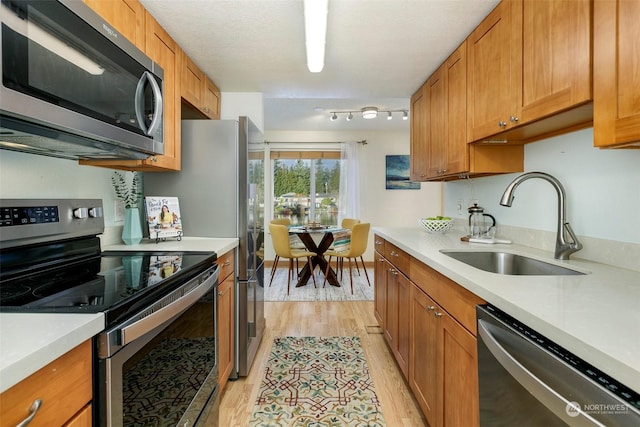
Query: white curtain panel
[[349, 182]]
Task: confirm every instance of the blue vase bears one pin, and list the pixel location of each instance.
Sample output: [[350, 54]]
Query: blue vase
[[132, 230]]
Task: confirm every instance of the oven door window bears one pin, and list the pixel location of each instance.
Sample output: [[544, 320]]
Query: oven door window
[[166, 377]]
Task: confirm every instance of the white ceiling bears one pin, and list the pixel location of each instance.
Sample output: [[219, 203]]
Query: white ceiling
[[378, 52]]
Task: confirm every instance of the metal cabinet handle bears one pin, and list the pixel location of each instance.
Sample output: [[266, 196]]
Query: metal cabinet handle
[[437, 314], [394, 253], [380, 260], [226, 263], [392, 271], [430, 308], [378, 242], [514, 119], [502, 124], [32, 413]]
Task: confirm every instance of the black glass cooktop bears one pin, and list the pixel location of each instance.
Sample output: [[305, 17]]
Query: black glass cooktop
[[73, 278]]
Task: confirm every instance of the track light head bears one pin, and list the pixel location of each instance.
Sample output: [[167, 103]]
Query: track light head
[[405, 115], [389, 116], [350, 117], [334, 117]]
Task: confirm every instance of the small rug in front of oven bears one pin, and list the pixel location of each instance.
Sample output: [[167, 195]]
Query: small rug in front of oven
[[317, 381]]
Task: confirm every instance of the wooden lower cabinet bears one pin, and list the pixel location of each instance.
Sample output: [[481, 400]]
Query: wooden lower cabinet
[[443, 374], [64, 386], [226, 318], [429, 323]]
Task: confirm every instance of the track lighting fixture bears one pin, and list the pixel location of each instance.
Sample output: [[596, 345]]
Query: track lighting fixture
[[369, 113]]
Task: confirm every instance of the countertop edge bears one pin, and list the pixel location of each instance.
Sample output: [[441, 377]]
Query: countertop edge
[[426, 249], [59, 333]]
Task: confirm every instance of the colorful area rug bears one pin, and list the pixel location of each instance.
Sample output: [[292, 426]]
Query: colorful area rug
[[319, 382]]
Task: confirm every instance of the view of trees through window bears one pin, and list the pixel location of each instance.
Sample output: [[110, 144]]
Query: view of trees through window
[[306, 190]]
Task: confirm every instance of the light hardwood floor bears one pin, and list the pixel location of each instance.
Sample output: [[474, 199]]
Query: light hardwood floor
[[334, 318]]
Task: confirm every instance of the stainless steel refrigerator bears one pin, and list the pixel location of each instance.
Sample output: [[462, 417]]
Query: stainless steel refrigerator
[[220, 190]]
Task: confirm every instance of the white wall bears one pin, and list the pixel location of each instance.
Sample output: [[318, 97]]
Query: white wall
[[236, 104], [379, 206], [602, 188]]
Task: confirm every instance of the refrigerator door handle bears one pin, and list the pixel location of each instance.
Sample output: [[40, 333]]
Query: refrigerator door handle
[[252, 329]]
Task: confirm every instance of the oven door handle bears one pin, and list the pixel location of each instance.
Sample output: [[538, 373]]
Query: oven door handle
[[137, 329], [549, 397]]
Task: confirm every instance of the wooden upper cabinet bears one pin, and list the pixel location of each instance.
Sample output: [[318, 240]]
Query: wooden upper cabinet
[[126, 16], [529, 60], [163, 49], [552, 68], [419, 148], [457, 153], [198, 90], [192, 82], [489, 50], [211, 100], [616, 80], [437, 129]]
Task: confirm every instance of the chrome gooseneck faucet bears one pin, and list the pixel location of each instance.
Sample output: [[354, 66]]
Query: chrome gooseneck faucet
[[566, 241]]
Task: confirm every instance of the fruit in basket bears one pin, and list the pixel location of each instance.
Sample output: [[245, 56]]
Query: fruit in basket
[[439, 218]]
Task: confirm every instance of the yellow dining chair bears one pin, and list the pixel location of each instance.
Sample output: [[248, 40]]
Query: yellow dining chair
[[359, 240], [349, 222], [280, 240]]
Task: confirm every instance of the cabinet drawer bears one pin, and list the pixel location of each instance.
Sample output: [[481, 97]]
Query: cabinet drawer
[[64, 386], [378, 243], [456, 300], [396, 256], [226, 263]]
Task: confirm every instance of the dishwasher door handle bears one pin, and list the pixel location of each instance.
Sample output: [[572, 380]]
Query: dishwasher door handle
[[549, 397]]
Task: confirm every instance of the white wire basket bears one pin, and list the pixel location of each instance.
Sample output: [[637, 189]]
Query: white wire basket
[[434, 226]]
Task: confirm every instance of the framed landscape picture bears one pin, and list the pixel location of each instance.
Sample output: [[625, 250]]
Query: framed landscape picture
[[163, 217], [397, 173]]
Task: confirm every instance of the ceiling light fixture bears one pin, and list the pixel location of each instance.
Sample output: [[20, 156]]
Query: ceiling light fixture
[[315, 30], [369, 113]]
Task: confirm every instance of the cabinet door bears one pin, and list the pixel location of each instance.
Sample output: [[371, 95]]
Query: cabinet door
[[162, 49], [437, 130], [211, 100], [457, 151], [489, 50], [402, 341], [191, 82], [616, 77], [423, 353], [126, 16], [225, 329], [391, 308], [379, 289], [457, 373], [552, 58], [419, 148]]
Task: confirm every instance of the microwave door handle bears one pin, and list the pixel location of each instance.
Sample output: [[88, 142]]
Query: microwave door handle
[[139, 103], [550, 398]]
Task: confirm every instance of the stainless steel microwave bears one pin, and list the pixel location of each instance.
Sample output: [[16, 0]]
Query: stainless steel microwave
[[74, 87]]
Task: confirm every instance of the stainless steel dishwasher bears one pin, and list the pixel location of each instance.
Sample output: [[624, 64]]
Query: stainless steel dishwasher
[[526, 379]]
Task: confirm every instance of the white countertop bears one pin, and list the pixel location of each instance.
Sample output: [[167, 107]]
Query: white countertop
[[30, 341], [596, 316], [187, 244]]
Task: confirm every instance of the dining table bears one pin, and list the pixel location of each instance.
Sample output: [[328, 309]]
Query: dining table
[[306, 235]]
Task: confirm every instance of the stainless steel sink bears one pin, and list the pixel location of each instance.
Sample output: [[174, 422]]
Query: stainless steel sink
[[507, 263]]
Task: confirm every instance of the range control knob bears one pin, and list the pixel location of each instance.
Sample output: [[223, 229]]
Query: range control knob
[[95, 212], [80, 213]]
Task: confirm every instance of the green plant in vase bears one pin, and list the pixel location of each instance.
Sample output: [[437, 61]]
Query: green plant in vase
[[131, 196]]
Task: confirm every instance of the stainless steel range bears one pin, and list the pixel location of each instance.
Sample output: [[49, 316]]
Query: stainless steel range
[[156, 361]]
